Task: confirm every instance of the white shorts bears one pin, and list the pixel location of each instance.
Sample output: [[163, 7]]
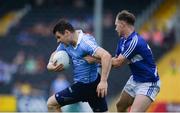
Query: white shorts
[[150, 89]]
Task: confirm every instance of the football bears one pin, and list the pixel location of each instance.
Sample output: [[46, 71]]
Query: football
[[62, 58]]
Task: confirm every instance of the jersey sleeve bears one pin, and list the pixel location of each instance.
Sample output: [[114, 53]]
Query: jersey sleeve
[[90, 46], [130, 48], [60, 47]]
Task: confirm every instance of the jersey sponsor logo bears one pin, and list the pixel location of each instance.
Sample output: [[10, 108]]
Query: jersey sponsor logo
[[136, 58], [79, 61]]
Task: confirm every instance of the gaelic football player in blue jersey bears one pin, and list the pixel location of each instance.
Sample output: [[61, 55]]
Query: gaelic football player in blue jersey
[[89, 86], [144, 84]]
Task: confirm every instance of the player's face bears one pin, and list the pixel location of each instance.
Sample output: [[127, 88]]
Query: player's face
[[62, 38], [119, 27]]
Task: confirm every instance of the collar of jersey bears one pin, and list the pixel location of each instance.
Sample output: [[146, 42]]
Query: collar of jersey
[[80, 36], [131, 35]]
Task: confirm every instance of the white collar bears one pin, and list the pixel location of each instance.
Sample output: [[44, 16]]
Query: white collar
[[80, 36]]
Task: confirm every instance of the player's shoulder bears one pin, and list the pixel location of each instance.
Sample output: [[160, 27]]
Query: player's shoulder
[[61, 46], [88, 37], [141, 40], [133, 40]]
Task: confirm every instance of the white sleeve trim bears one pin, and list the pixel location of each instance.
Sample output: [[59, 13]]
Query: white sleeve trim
[[95, 50], [131, 47]]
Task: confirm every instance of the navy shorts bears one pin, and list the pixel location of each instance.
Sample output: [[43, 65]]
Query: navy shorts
[[82, 92]]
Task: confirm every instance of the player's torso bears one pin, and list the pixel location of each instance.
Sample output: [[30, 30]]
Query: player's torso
[[83, 71], [77, 55], [142, 64]]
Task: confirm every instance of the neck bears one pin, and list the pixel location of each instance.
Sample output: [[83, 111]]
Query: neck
[[129, 31]]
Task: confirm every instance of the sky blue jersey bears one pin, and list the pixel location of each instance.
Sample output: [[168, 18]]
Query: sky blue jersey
[[86, 45], [138, 52]]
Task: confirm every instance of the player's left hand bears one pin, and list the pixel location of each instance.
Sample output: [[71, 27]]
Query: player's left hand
[[91, 59], [102, 89]]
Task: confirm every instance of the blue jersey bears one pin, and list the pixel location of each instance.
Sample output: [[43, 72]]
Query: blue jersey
[[86, 45], [138, 52]]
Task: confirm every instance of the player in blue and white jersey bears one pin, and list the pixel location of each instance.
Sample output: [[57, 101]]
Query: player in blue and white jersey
[[88, 85], [144, 84]]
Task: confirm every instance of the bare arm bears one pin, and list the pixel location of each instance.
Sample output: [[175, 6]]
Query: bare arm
[[119, 61], [106, 66]]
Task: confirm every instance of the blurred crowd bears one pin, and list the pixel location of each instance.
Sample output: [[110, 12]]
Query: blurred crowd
[[160, 38]]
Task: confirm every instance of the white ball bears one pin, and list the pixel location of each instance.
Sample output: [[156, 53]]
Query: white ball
[[62, 58]]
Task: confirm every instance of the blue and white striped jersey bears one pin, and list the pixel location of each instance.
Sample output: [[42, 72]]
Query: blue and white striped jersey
[[86, 45], [138, 52]]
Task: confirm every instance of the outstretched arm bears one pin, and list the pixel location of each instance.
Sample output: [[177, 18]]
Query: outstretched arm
[[106, 66], [119, 61]]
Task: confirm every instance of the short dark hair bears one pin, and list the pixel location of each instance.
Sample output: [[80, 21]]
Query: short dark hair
[[63, 25], [126, 16]]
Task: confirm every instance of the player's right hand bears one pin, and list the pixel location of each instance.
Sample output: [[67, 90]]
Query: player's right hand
[[52, 66], [102, 89]]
